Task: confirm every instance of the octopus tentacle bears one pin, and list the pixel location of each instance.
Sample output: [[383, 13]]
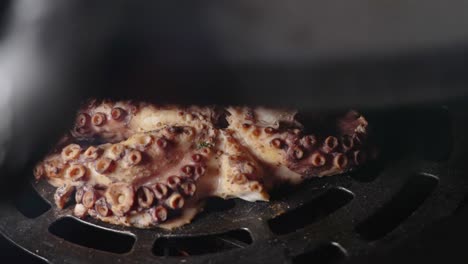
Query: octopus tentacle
[[238, 170], [117, 121], [128, 182], [157, 164], [291, 156]]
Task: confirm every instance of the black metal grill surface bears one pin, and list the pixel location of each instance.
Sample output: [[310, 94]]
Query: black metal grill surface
[[419, 180]]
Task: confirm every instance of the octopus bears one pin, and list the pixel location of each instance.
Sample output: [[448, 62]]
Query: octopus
[[142, 165]]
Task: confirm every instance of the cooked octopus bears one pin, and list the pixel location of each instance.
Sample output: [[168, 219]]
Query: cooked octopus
[[137, 164]]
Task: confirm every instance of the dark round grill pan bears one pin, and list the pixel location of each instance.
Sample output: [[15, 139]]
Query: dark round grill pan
[[418, 181]]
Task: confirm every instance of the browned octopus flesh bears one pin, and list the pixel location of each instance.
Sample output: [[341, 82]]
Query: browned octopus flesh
[[137, 164]]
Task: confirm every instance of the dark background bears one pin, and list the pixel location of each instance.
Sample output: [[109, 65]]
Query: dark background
[[308, 55]]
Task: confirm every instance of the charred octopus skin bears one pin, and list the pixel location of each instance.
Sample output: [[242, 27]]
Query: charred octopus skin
[[155, 165]]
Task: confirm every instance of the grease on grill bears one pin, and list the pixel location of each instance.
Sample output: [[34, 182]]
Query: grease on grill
[[200, 245], [89, 236], [323, 254], [310, 212], [29, 203], [403, 204]]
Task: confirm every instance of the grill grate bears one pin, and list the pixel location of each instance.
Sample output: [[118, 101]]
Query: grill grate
[[323, 220]]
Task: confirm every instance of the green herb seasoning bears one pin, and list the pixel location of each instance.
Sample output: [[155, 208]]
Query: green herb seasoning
[[204, 145]]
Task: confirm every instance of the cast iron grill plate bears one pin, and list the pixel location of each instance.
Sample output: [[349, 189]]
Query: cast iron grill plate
[[417, 181]]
